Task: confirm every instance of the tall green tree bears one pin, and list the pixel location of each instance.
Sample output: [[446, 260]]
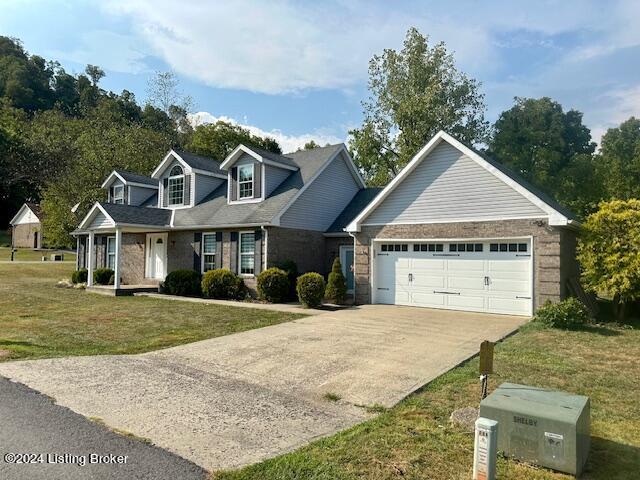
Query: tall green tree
[[217, 140], [550, 148], [620, 160], [414, 93]]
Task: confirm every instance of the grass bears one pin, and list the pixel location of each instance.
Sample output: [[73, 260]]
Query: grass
[[5, 238], [414, 440], [332, 397], [39, 320], [29, 255]]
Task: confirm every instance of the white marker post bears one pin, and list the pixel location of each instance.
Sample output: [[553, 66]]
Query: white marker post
[[486, 449]]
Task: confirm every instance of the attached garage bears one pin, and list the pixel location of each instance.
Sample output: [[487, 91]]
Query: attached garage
[[455, 230]]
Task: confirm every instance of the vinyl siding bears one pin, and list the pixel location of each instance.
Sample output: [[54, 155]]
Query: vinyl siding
[[100, 221], [274, 176], [26, 216], [204, 186], [448, 186], [249, 160], [324, 200], [138, 195]]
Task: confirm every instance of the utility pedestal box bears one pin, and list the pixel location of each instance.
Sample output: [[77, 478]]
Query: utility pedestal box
[[540, 426]]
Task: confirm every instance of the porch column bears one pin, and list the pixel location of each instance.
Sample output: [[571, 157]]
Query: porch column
[[116, 269], [91, 259], [77, 252]]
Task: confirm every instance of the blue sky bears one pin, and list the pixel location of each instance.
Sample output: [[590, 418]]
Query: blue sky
[[298, 69]]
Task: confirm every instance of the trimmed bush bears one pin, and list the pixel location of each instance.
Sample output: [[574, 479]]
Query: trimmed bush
[[103, 276], [567, 314], [222, 283], [310, 288], [79, 276], [291, 268], [273, 285], [184, 282], [336, 291]]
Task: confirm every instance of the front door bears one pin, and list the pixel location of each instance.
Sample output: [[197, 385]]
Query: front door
[[346, 259], [156, 255]]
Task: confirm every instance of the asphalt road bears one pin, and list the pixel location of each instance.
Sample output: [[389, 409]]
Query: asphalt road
[[61, 444]]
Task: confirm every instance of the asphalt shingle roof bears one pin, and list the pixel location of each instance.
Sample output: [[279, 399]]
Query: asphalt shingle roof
[[137, 178], [355, 206], [215, 211], [274, 157], [137, 215], [199, 162], [35, 208]]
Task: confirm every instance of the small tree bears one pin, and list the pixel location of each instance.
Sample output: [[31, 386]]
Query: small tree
[[609, 252], [337, 285]]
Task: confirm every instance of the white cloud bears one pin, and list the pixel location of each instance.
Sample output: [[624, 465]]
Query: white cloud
[[288, 143]]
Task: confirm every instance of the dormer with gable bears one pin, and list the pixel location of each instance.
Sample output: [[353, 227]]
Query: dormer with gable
[[126, 188], [185, 179], [253, 174]]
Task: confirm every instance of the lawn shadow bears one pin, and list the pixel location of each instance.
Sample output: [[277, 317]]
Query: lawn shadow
[[609, 459], [17, 343]]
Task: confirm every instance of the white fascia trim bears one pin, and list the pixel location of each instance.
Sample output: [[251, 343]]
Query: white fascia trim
[[15, 217], [276, 219], [141, 185], [163, 165], [352, 166], [456, 220], [219, 227], [237, 152], [110, 179], [555, 217], [91, 212]]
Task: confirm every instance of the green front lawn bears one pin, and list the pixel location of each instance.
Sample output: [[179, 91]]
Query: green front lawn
[[29, 255], [415, 440], [39, 320]]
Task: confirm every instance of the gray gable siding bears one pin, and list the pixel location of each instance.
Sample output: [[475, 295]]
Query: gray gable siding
[[274, 176], [138, 195], [247, 159], [100, 221], [449, 186], [319, 205], [204, 185]]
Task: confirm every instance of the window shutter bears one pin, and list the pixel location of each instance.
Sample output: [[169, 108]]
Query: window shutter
[[197, 242], [233, 250], [234, 184], [165, 193], [187, 190], [257, 180], [257, 254], [218, 249]]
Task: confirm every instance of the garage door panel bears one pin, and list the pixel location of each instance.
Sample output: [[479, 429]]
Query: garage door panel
[[421, 280], [461, 265], [460, 282], [499, 266], [466, 301], [509, 286], [426, 299], [428, 264]]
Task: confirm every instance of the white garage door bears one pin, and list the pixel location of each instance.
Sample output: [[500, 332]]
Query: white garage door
[[484, 276]]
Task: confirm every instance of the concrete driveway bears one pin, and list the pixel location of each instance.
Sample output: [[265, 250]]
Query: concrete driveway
[[238, 399]]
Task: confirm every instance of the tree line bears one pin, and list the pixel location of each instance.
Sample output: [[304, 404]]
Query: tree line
[[61, 134]]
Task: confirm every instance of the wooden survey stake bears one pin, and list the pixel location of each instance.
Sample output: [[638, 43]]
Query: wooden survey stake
[[486, 357]]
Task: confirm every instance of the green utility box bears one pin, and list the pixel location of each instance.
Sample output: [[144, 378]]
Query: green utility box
[[539, 426]]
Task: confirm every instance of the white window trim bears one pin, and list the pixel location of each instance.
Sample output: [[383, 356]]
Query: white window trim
[[248, 275], [118, 197], [253, 190], [202, 254], [107, 254], [175, 177]]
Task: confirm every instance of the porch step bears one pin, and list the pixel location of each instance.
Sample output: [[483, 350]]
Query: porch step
[[124, 290]]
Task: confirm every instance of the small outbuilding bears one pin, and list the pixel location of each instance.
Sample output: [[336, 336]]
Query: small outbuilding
[[26, 227]]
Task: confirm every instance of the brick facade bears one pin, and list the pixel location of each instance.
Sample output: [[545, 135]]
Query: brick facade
[[26, 235], [553, 250], [305, 247]]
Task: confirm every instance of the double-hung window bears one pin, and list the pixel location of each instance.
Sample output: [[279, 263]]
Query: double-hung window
[[175, 186], [208, 251], [245, 181], [118, 194], [247, 253], [111, 253]]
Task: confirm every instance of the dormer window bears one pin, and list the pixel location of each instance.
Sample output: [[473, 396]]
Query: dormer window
[[245, 181], [118, 194], [175, 186]]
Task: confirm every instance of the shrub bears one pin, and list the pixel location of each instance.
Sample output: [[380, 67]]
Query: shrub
[[569, 313], [291, 268], [103, 276], [273, 285], [222, 283], [310, 288], [337, 285], [184, 282], [79, 276]]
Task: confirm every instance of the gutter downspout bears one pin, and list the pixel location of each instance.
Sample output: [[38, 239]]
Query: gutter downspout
[[354, 266], [265, 235]]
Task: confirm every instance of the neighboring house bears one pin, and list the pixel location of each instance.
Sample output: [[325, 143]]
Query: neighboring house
[[453, 230], [250, 212], [26, 227]]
